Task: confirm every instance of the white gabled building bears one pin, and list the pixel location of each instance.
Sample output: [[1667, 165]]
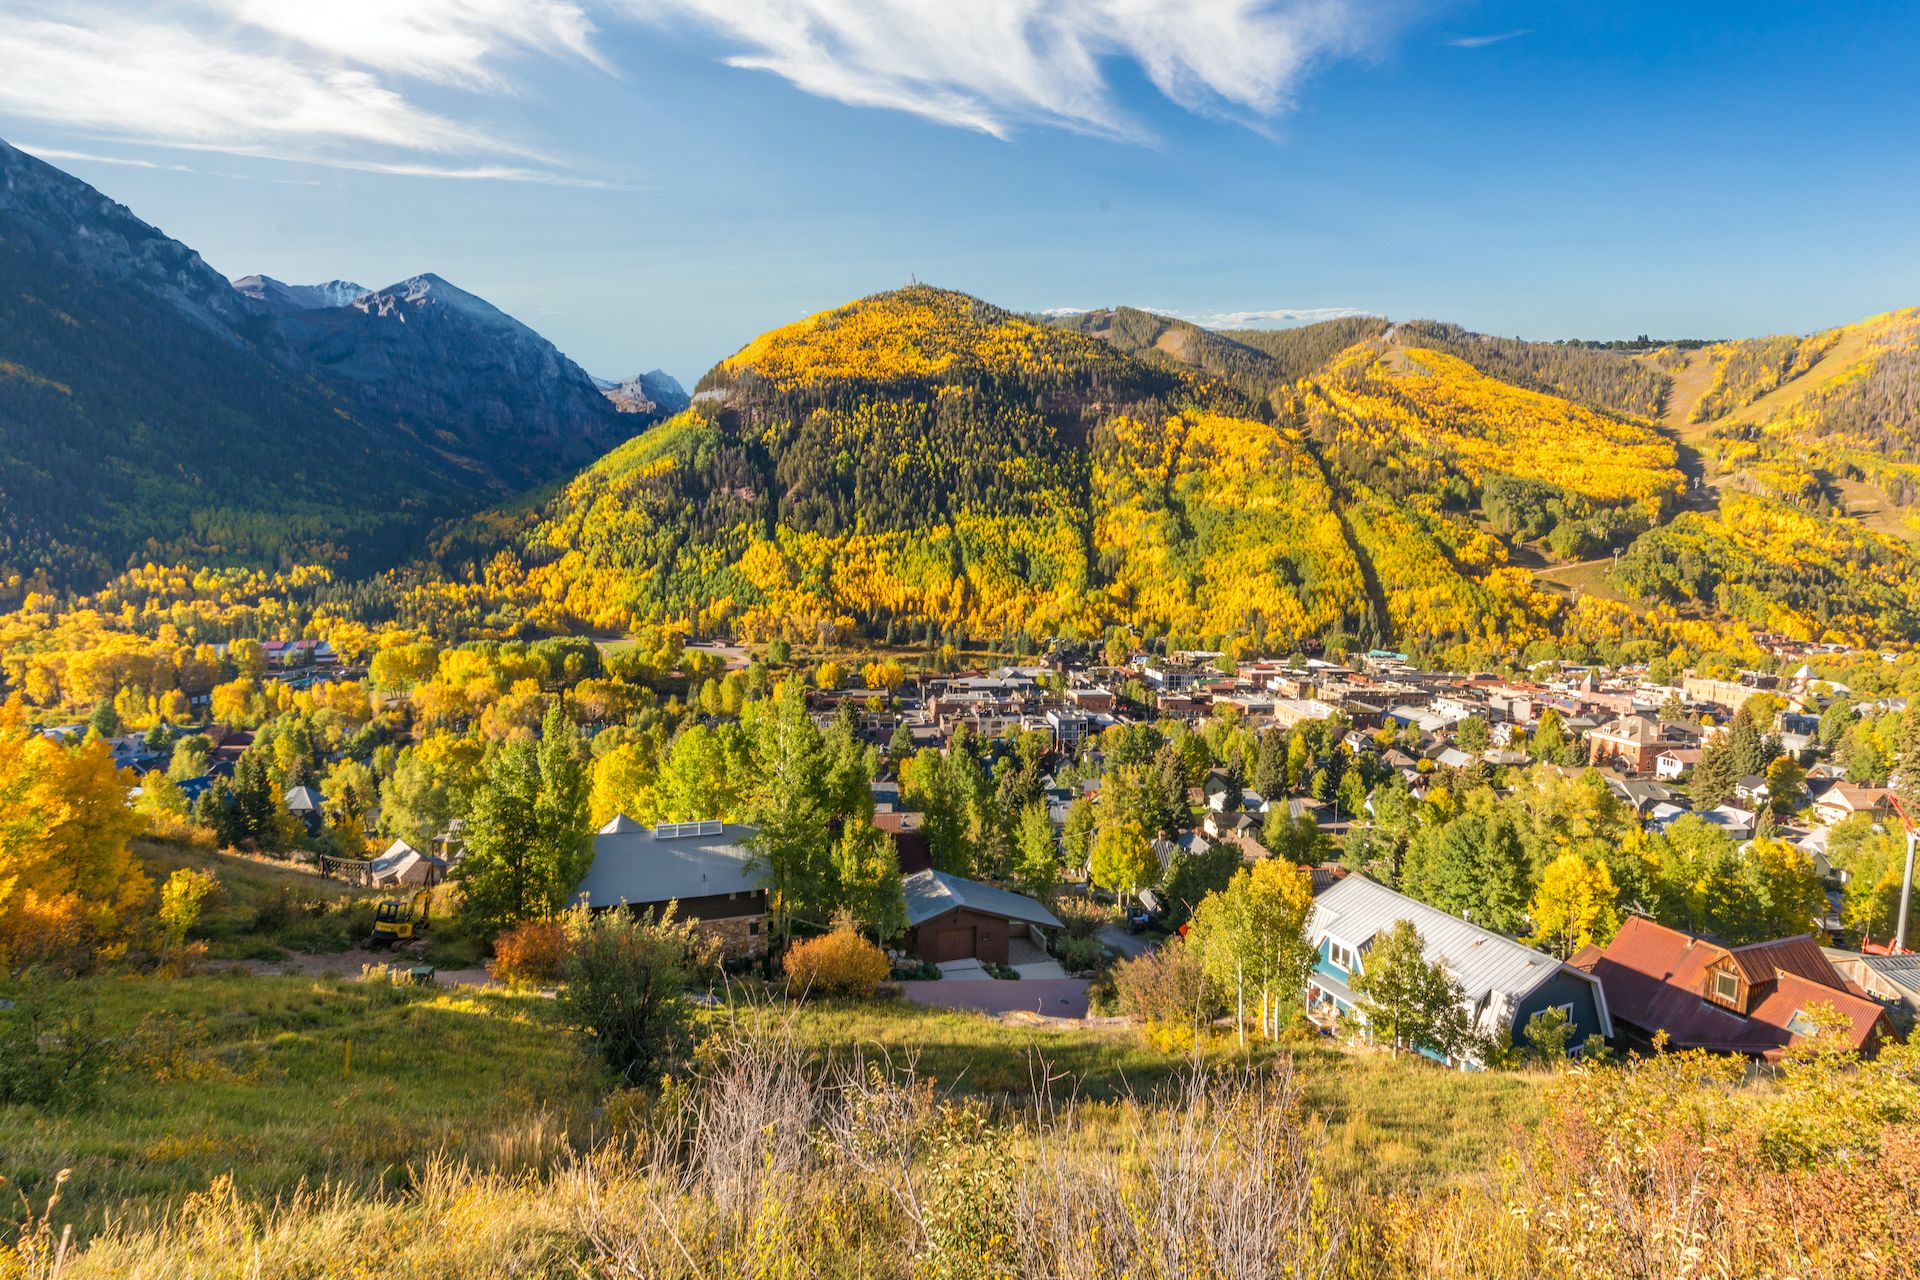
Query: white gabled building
[[1505, 982]]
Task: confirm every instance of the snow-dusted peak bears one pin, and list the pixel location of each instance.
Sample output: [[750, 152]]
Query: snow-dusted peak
[[299, 297], [427, 290]]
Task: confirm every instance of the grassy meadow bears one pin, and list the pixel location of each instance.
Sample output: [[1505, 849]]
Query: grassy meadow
[[228, 1134], [252, 1078], [268, 908], [1388, 1123]]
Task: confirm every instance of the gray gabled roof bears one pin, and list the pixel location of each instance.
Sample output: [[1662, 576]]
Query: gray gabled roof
[[932, 893], [400, 858], [1356, 910], [635, 865]]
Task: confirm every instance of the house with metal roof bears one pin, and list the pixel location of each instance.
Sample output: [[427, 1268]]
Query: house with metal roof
[[1893, 981], [304, 803], [952, 918], [706, 869], [1504, 983], [1757, 1000]]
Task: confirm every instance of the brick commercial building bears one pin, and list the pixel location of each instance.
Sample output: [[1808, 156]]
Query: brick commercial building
[[1630, 742]]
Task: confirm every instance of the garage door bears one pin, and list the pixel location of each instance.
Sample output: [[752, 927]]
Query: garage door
[[953, 944]]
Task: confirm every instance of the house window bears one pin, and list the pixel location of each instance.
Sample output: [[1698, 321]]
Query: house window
[[1340, 956], [1726, 987], [753, 928], [1800, 1024]]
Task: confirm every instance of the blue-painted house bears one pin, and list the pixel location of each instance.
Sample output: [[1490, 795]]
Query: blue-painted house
[[1505, 982]]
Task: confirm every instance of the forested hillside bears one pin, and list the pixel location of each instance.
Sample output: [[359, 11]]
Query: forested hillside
[[149, 410], [127, 430], [921, 463]]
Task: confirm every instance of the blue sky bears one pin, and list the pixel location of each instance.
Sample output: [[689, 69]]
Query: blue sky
[[651, 182]]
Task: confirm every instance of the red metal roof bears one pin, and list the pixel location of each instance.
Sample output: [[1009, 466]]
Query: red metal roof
[[1655, 979]]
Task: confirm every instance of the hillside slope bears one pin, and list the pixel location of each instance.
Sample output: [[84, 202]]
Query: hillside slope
[[921, 463], [151, 410]]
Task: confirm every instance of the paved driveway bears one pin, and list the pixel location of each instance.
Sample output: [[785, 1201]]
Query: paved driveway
[[1054, 997], [1126, 944]]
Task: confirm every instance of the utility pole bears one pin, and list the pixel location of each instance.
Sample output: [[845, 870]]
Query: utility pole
[[1906, 881], [1906, 895]]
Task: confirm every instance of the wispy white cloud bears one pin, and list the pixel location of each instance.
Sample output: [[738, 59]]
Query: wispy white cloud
[[62, 153], [163, 82], [992, 65], [284, 80], [94, 157], [1273, 318], [338, 81], [1269, 318], [483, 173], [456, 42], [1481, 42]]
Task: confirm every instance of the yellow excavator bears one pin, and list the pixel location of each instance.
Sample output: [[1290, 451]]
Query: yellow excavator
[[400, 920]]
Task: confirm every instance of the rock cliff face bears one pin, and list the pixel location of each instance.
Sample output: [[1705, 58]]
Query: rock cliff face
[[431, 355], [282, 298], [656, 392]]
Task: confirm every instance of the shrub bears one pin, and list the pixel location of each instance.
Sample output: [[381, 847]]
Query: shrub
[[278, 909], [182, 898], [48, 1062], [1168, 991], [1079, 955], [1079, 917], [52, 934], [1547, 1033], [626, 987], [839, 963], [919, 971], [531, 954]]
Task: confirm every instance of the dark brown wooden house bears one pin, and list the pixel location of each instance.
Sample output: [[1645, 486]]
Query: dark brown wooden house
[[949, 918]]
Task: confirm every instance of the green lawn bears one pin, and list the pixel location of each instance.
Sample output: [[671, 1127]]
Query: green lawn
[[249, 1076]]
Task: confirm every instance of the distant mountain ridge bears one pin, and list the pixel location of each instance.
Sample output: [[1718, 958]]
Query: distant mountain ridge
[[283, 298], [924, 465], [57, 215], [150, 408], [653, 392], [438, 358]]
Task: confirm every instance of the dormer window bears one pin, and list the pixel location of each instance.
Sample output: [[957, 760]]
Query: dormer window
[[1341, 956], [1726, 987]]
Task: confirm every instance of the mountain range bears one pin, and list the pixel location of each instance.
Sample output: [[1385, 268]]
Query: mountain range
[[151, 409], [921, 464]]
